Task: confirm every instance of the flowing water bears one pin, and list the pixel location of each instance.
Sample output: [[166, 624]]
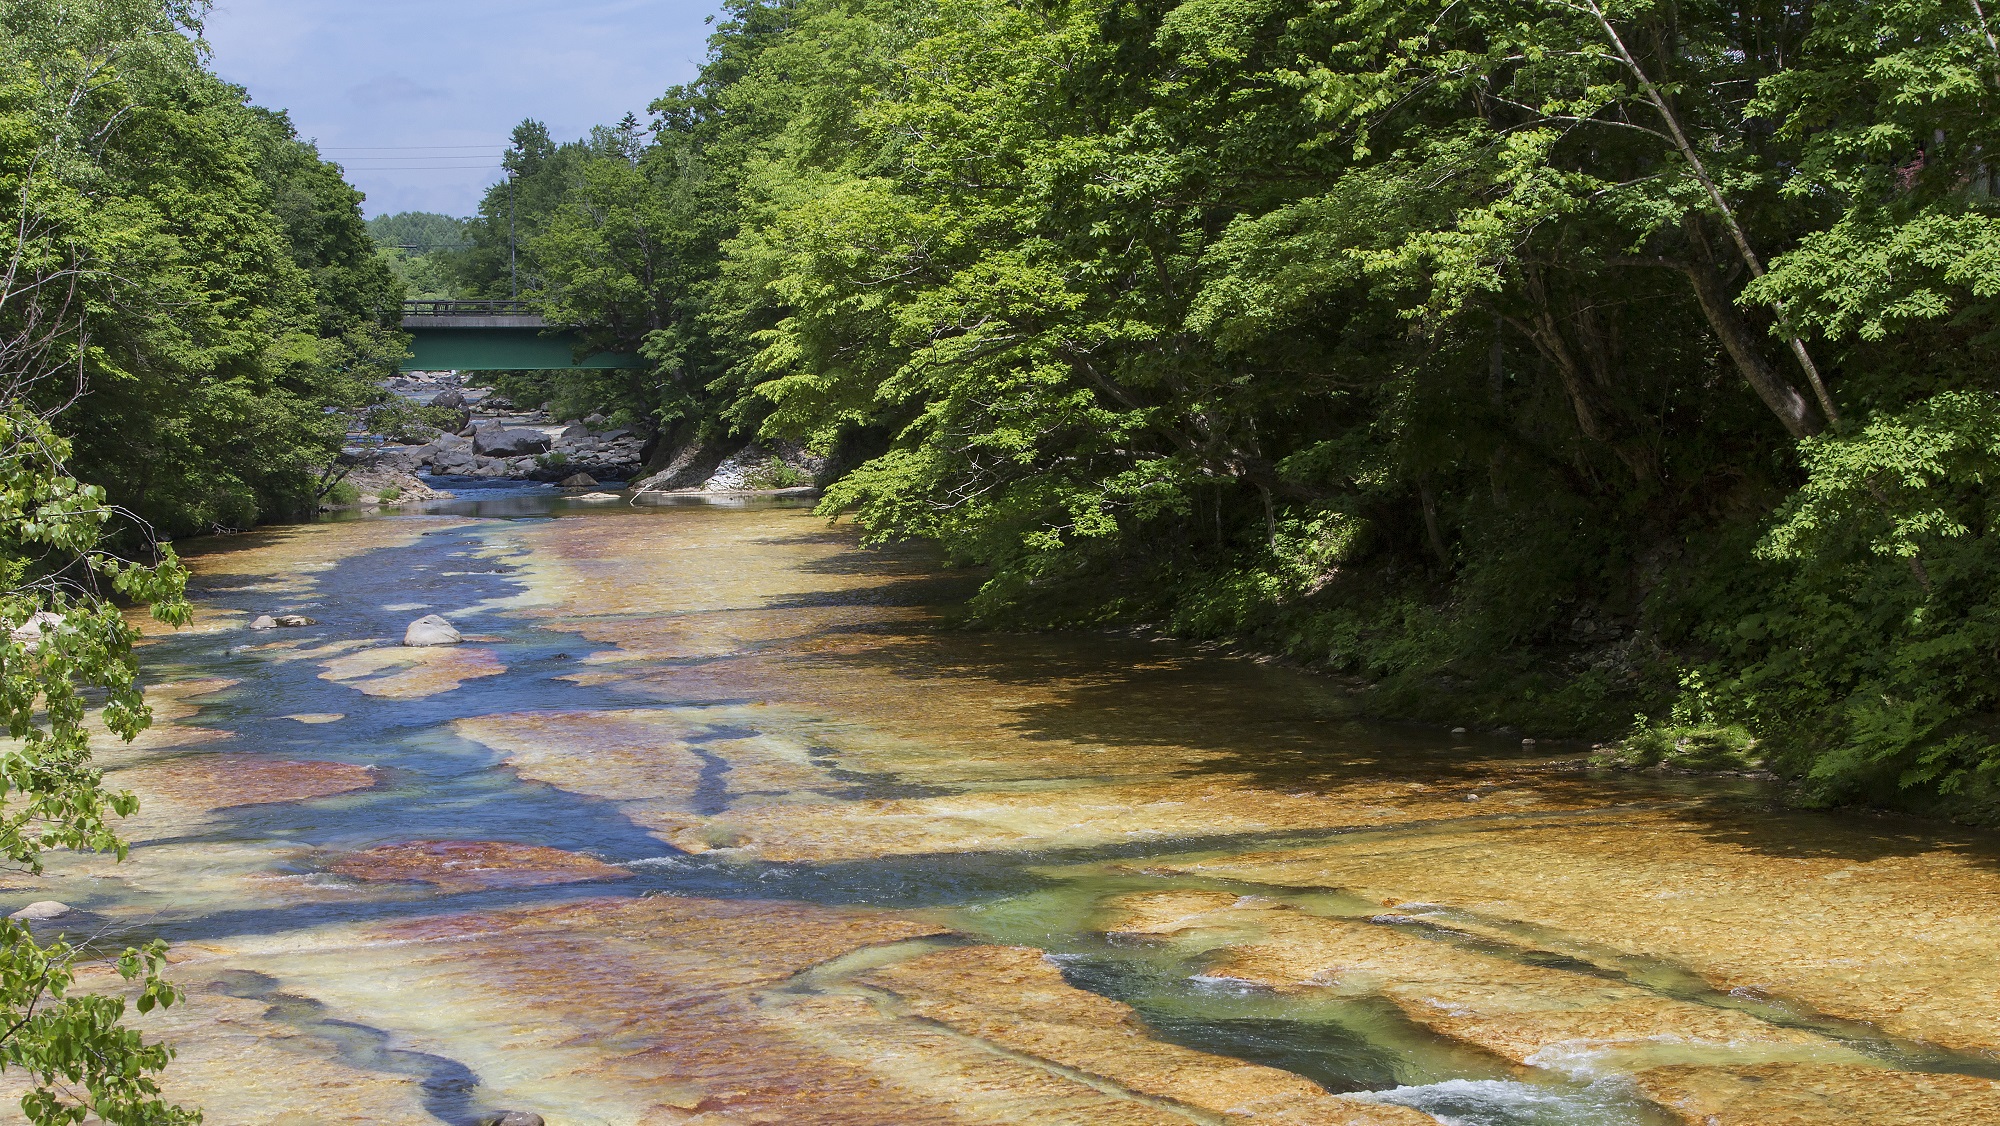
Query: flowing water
[[715, 818]]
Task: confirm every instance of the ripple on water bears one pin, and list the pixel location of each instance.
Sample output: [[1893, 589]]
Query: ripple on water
[[1501, 1102]]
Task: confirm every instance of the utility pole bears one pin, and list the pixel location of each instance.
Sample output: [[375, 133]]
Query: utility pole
[[513, 280]]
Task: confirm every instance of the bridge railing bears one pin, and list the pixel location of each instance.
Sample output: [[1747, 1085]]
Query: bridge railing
[[500, 308]]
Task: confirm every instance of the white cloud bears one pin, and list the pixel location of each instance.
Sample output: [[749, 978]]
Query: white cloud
[[393, 89]]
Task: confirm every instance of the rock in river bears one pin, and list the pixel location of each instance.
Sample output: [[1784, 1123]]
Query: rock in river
[[510, 443], [431, 630], [579, 481], [266, 621], [32, 629], [42, 911], [515, 1118]]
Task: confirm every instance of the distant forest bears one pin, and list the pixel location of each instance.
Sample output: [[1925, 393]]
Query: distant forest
[[416, 246]]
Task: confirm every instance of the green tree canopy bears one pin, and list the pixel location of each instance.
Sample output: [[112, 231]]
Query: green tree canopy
[[1531, 357]]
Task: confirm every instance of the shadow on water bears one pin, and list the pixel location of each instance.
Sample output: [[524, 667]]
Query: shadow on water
[[1855, 836], [448, 1086], [1267, 726]]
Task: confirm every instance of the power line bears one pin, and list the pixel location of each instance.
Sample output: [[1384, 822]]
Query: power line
[[426, 163], [399, 148], [432, 156]]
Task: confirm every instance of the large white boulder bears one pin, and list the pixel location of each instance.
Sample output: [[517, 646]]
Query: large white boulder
[[431, 630]]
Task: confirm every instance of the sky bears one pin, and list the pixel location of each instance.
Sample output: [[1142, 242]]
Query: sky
[[415, 99]]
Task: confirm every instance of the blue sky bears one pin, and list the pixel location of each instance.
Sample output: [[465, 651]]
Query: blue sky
[[416, 98]]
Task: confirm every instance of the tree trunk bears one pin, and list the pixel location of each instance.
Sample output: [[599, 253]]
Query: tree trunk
[[1781, 397], [1723, 209]]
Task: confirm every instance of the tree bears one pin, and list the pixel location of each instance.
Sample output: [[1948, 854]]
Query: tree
[[234, 303], [1534, 358], [66, 77]]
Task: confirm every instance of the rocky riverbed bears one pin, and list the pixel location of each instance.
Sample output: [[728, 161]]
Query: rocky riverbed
[[497, 441], [709, 818]]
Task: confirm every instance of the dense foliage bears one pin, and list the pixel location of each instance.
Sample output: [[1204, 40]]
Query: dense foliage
[[419, 247], [227, 299], [1544, 361], [67, 647], [138, 313], [190, 305]]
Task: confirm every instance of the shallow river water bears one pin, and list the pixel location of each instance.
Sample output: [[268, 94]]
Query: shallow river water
[[714, 819]]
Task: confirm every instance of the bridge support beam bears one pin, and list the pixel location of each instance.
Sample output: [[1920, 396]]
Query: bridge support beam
[[502, 349], [493, 336]]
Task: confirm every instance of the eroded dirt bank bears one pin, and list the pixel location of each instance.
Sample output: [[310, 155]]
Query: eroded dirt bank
[[709, 821]]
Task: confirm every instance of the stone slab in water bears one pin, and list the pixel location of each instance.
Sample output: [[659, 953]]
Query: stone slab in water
[[218, 781], [475, 865]]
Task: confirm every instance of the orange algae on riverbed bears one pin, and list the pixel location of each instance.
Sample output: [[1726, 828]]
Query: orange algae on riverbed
[[1794, 1095], [404, 673], [219, 781], [755, 711], [672, 1009], [1859, 921], [1569, 1017], [474, 865], [1016, 1000]]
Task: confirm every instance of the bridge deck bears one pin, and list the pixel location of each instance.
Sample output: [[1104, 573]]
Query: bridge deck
[[412, 321], [493, 336]]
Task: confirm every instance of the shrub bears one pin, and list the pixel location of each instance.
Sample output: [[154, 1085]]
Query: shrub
[[775, 474]]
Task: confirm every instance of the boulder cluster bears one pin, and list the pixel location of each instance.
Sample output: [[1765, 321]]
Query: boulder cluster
[[488, 447]]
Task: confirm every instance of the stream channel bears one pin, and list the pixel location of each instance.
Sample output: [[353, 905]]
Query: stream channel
[[715, 818]]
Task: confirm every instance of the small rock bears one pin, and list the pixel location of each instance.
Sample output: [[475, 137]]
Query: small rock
[[515, 1118], [42, 911], [579, 481], [1458, 731], [1527, 742], [293, 621], [431, 630]]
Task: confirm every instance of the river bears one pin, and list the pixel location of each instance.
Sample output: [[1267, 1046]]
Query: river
[[715, 818]]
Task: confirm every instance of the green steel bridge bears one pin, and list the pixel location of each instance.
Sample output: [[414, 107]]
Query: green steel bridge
[[493, 336]]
